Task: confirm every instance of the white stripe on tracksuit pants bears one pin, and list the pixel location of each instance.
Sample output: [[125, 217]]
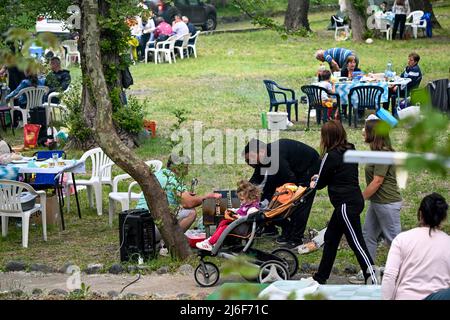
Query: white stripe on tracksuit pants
[[345, 220], [362, 251]]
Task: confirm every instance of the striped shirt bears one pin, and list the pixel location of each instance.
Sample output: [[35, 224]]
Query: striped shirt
[[339, 55]]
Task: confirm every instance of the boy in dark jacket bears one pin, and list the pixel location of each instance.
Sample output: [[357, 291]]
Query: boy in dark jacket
[[58, 79]]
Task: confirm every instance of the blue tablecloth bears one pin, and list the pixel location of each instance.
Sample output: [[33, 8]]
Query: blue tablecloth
[[343, 89]]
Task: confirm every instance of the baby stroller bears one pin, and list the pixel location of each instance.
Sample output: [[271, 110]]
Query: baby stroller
[[237, 239]]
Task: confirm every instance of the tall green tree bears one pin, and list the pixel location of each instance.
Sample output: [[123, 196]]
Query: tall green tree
[[104, 55]]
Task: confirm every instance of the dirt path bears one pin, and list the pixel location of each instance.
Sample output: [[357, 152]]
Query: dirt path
[[166, 286]]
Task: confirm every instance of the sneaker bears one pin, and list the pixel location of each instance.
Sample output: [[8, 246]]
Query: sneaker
[[204, 245], [358, 279], [282, 240], [307, 247], [377, 276], [293, 244]]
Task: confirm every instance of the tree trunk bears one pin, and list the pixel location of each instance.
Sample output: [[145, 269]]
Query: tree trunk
[[98, 111], [425, 6], [358, 21], [297, 15]]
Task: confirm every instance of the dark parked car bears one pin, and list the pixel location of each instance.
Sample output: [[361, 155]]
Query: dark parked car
[[201, 14]]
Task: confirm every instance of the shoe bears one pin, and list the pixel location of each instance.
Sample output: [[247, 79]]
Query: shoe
[[204, 245], [293, 244], [377, 276], [282, 240], [358, 279], [307, 247]]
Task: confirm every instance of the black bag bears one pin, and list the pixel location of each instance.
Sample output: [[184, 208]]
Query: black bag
[[127, 78]]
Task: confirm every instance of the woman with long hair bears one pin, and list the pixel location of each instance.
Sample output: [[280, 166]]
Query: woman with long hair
[[347, 200], [401, 10], [385, 201], [418, 263]]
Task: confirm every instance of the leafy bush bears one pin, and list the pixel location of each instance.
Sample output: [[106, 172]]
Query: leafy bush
[[131, 116], [75, 120]]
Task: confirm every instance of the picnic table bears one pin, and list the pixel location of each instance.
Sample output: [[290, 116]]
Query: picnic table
[[28, 165]]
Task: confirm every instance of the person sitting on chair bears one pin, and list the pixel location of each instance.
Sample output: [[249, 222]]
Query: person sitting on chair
[[180, 29], [57, 79], [249, 195], [170, 182], [349, 67]]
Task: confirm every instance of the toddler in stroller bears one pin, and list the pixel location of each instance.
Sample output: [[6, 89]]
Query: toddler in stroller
[[249, 196], [235, 237]]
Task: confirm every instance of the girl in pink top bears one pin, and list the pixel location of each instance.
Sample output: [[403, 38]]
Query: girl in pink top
[[249, 195], [418, 262]]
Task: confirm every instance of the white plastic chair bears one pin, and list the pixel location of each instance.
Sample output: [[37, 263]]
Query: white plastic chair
[[384, 25], [51, 107], [150, 48], [166, 49], [100, 175], [184, 46], [416, 22], [72, 51], [125, 198], [35, 98], [345, 27], [10, 206], [193, 44]]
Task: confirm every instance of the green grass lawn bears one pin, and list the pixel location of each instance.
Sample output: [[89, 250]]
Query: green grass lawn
[[223, 89]]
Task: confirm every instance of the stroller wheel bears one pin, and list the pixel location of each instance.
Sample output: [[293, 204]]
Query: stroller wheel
[[206, 274], [271, 271], [289, 258]]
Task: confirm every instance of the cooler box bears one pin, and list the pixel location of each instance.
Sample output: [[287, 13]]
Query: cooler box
[[277, 120], [195, 236]]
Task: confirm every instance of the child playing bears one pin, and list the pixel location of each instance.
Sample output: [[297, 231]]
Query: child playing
[[327, 102], [249, 195]]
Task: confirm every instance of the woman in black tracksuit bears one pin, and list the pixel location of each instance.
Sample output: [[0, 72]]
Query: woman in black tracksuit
[[347, 200]]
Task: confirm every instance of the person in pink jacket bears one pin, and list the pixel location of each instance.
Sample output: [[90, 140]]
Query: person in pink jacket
[[418, 263]]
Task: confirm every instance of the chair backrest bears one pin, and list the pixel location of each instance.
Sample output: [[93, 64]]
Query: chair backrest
[[185, 39], [271, 87], [193, 39], [99, 159], [416, 16], [314, 95], [71, 45], [10, 192], [34, 95], [369, 97], [382, 24], [155, 164], [338, 21]]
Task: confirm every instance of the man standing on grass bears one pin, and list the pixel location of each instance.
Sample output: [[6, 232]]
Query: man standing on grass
[[284, 161], [336, 57]]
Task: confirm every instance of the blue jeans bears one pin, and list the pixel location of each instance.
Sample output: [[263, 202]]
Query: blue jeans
[[439, 295]]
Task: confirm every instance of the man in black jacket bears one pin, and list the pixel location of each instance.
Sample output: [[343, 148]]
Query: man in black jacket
[[58, 79], [284, 161]]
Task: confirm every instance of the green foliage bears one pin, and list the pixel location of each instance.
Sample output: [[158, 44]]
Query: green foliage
[[78, 129], [131, 116], [181, 114], [79, 294], [261, 10]]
